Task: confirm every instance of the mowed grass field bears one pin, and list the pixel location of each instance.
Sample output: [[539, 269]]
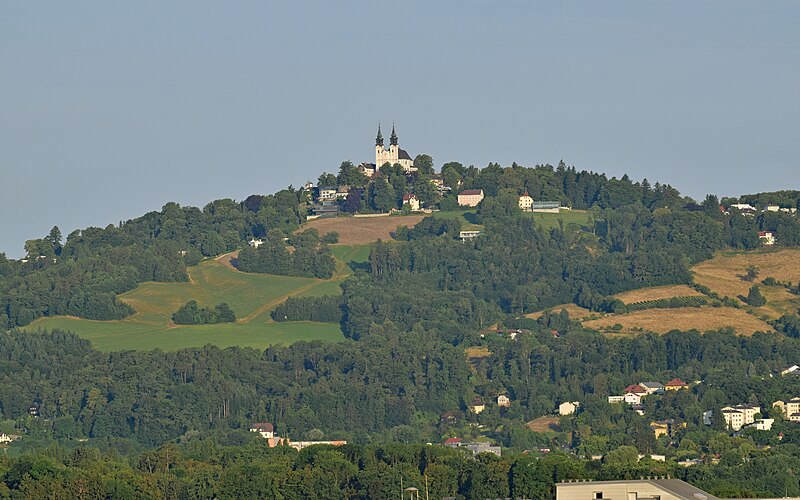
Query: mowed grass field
[[657, 293], [722, 275], [251, 296], [575, 311], [682, 318]]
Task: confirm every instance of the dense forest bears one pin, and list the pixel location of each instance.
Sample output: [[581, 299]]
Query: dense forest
[[419, 351], [394, 387]]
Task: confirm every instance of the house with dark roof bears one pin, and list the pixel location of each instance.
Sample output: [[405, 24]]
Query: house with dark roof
[[470, 197]]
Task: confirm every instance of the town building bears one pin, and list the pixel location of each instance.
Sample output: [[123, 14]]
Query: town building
[[642, 489], [470, 197], [568, 407], [503, 401], [392, 155], [739, 416], [790, 409]]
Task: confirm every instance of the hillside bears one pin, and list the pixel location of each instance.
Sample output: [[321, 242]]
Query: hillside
[[251, 296]]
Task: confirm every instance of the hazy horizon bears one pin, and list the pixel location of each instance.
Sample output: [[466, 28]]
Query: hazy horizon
[[114, 110]]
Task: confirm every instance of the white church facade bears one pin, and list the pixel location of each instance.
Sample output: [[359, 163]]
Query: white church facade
[[392, 155]]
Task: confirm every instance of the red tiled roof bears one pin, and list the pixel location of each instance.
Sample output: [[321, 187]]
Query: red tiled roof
[[676, 382], [471, 192], [634, 388], [452, 441], [407, 197]]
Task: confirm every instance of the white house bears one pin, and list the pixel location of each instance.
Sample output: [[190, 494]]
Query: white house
[[629, 397], [265, 429], [766, 237], [470, 197], [762, 424], [568, 407], [412, 201], [652, 387], [326, 193], [255, 243], [525, 202], [5, 438], [503, 401]]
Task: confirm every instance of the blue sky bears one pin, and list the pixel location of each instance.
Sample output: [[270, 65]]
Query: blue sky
[[111, 109]]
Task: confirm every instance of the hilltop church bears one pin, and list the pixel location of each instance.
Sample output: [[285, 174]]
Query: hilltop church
[[392, 155]]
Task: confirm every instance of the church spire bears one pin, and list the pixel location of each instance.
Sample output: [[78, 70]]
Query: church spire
[[393, 138], [379, 139]]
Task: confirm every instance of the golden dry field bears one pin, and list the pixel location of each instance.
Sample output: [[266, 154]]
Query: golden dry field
[[682, 318], [544, 424], [575, 311], [657, 293], [362, 230], [722, 275]]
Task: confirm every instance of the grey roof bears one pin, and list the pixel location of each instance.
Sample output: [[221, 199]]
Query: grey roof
[[680, 489], [402, 155], [657, 385]]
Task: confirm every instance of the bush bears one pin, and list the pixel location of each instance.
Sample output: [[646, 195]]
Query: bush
[[192, 314]]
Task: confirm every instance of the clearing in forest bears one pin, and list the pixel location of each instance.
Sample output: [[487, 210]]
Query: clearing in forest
[[575, 311], [251, 296], [723, 275], [681, 318], [544, 424], [657, 293]]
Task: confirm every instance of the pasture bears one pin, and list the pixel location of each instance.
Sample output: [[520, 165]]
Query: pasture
[[251, 296], [657, 293]]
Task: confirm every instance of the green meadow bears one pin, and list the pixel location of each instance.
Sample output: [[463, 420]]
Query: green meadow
[[547, 220], [251, 296]]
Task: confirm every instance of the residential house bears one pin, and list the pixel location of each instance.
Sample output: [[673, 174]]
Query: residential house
[[470, 197], [326, 193], [743, 207], [568, 407], [675, 384], [466, 235], [503, 401], [792, 370], [629, 397], [659, 429], [452, 442], [525, 202], [632, 489], [412, 201], [637, 389], [5, 438], [477, 406], [767, 237], [772, 208], [652, 387], [265, 429], [255, 242], [368, 169], [762, 424]]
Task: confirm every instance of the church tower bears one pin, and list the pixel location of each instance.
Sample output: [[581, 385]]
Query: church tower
[[393, 146]]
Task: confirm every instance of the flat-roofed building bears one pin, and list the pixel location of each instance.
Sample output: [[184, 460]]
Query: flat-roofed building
[[644, 489]]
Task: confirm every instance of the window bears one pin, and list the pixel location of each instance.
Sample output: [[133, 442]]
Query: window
[[598, 495]]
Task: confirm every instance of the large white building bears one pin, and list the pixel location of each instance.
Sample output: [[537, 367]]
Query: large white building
[[392, 155]]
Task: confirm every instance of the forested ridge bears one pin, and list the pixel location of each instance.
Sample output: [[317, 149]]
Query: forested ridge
[[421, 318]]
